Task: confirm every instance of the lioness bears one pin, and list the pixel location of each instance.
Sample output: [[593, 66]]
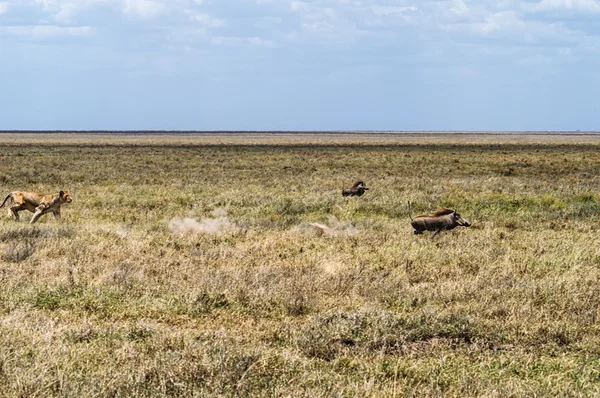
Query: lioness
[[36, 203]]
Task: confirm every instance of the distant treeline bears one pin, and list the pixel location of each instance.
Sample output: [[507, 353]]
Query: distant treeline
[[180, 132], [233, 132]]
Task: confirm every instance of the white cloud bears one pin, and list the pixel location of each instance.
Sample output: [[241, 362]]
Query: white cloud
[[382, 11], [398, 25], [459, 7], [206, 21], [510, 27], [45, 32], [58, 10], [268, 22], [333, 32], [143, 8], [298, 5], [242, 41], [65, 11], [506, 21], [563, 5], [259, 42]]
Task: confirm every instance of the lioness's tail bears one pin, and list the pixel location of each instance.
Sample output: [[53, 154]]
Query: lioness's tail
[[5, 199], [409, 216]]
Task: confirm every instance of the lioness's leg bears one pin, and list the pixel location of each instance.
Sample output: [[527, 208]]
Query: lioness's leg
[[18, 204], [35, 217], [38, 213], [14, 210], [57, 214]]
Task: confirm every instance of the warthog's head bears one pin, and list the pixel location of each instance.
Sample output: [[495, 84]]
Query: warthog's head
[[461, 221]]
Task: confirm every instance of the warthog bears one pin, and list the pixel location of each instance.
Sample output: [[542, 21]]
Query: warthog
[[441, 219], [357, 189]]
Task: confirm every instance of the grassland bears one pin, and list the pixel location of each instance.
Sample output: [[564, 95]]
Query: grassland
[[188, 266]]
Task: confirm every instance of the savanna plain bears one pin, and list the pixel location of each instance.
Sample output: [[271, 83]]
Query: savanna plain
[[230, 265]]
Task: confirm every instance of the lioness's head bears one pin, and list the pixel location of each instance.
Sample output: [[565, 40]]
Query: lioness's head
[[461, 221], [65, 197]]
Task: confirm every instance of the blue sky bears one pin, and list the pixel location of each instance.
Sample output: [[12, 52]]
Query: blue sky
[[300, 65]]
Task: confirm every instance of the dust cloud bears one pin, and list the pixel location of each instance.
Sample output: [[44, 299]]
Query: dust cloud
[[219, 223], [334, 228]]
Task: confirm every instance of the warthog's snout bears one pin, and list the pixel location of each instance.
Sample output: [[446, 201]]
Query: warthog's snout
[[461, 221]]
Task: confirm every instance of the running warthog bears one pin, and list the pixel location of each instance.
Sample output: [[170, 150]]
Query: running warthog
[[357, 189], [441, 219]]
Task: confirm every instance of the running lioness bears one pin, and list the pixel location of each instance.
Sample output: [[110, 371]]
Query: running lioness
[[36, 203]]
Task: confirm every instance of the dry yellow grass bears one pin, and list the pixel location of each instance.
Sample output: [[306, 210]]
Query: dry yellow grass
[[224, 265]]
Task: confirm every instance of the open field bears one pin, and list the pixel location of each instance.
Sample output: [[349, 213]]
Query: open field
[[189, 265]]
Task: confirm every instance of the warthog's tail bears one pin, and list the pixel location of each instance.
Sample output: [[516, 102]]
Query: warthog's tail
[[409, 216], [5, 199]]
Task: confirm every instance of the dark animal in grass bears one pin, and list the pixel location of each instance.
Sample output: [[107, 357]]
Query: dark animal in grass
[[441, 219], [358, 189]]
